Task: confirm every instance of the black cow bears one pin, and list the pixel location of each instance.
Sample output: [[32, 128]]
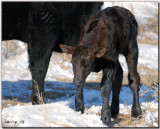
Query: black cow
[[43, 26], [107, 34]]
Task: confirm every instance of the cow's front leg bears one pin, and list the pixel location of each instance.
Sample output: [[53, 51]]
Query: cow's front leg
[[106, 87], [38, 64], [79, 100]]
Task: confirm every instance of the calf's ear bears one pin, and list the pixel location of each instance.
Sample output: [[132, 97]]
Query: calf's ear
[[67, 49], [99, 52]]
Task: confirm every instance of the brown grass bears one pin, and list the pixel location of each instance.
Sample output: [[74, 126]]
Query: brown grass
[[9, 47], [11, 102], [39, 95], [125, 120]]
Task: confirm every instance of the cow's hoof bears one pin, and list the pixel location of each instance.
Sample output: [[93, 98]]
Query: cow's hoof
[[38, 101], [81, 110], [114, 111], [136, 111]]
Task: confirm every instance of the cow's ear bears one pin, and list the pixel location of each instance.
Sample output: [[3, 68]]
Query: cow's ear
[[67, 49], [99, 52]]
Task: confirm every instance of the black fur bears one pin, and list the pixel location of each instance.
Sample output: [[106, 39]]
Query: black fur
[[43, 26], [107, 34]]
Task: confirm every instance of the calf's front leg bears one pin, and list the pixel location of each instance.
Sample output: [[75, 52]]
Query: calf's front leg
[[79, 100], [106, 86]]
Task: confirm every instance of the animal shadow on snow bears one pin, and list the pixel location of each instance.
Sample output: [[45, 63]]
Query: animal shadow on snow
[[65, 91]]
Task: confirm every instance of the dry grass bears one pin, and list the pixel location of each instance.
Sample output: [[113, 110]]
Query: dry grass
[[39, 95], [11, 102], [151, 79], [9, 48], [47, 120], [146, 26], [148, 78], [125, 120]]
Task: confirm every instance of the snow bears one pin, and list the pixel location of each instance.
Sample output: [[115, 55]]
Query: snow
[[148, 54], [17, 63], [46, 115], [146, 14], [61, 111], [147, 9]]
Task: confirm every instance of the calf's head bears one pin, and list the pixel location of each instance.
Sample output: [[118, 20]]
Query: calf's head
[[83, 61]]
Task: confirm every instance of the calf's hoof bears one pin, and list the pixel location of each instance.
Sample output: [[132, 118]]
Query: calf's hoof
[[106, 117], [114, 111], [106, 120], [136, 111]]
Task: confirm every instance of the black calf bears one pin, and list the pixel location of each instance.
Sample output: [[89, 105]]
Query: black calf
[[107, 34]]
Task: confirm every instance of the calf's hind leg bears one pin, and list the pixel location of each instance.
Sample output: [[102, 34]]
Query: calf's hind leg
[[134, 78], [116, 87]]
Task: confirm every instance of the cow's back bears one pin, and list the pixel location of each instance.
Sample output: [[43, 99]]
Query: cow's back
[[14, 19], [46, 22]]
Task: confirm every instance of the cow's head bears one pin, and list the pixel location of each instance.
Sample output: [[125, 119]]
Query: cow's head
[[83, 61]]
